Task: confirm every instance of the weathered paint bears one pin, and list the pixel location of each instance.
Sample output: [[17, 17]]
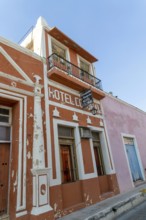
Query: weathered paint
[[38, 106], [17, 70]]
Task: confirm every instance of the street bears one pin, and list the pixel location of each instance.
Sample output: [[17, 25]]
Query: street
[[137, 213]]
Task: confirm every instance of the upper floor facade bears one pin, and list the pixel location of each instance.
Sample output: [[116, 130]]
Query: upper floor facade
[[67, 62]]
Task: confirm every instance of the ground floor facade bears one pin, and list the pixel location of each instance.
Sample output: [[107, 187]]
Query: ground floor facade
[[54, 155], [82, 168], [79, 169], [79, 173]]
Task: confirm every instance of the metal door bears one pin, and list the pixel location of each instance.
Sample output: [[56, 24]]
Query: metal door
[[133, 162], [4, 176]]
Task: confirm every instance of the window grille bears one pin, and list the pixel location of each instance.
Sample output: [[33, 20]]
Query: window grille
[[65, 132]]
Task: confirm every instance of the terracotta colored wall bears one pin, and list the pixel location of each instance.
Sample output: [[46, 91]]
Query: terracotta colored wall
[[14, 149], [28, 64], [67, 198], [91, 191], [73, 57], [108, 183], [122, 118], [72, 194], [31, 67]]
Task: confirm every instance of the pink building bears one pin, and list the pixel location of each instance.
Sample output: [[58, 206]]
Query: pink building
[[126, 128]]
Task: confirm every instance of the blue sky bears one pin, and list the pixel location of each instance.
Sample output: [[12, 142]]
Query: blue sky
[[114, 31]]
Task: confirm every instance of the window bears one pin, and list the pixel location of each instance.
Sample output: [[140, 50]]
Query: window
[[4, 124], [65, 132], [67, 154], [4, 133], [85, 69], [129, 141], [4, 115], [98, 153], [59, 55], [85, 66], [58, 50]]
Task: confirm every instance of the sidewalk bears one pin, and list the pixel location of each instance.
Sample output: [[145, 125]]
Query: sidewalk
[[110, 208]]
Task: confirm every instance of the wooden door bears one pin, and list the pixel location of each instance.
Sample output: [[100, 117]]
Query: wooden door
[[99, 160], [4, 176], [67, 174], [133, 162]]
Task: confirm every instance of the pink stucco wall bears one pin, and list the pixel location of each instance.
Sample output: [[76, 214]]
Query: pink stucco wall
[[121, 118]]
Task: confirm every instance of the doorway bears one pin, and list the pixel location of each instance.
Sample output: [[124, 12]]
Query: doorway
[[67, 164], [4, 176], [98, 153], [133, 159], [5, 128]]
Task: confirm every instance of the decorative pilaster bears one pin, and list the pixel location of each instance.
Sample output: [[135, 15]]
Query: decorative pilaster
[[39, 172]]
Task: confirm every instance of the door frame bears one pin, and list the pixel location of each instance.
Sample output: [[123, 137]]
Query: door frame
[[137, 154], [106, 151], [9, 124]]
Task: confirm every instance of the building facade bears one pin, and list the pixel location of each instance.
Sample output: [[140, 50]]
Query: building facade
[[81, 169], [60, 132], [55, 153], [126, 126]]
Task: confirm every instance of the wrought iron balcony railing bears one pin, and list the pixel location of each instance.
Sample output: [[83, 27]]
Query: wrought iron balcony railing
[[56, 61]]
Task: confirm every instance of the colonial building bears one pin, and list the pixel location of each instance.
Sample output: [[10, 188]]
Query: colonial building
[[54, 152], [62, 142]]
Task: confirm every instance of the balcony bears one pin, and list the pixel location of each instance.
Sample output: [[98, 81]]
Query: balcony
[[73, 76]]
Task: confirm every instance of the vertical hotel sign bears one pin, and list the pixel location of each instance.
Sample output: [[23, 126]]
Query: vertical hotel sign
[[87, 101], [86, 98]]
